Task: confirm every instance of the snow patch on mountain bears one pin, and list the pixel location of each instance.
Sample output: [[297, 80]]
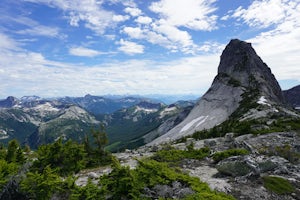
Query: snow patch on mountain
[[202, 119], [263, 101], [146, 110], [3, 134], [46, 107], [167, 111]]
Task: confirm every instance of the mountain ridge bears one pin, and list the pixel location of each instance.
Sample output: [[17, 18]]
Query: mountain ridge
[[242, 80]]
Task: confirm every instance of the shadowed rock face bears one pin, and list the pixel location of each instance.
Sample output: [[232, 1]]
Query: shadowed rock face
[[240, 70], [8, 102], [241, 63], [292, 96]]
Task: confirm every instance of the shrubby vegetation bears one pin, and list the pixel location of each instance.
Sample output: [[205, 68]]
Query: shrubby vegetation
[[70, 157], [218, 156], [54, 165], [278, 185], [124, 183], [172, 155], [10, 161], [247, 127]]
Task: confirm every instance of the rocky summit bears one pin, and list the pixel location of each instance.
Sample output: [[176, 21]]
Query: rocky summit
[[243, 79]]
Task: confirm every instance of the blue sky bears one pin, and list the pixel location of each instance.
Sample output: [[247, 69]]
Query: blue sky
[[56, 48]]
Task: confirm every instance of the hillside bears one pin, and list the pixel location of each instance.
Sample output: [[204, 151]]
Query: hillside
[[41, 122], [135, 126]]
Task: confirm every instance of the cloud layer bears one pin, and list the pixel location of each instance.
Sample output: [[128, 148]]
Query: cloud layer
[[127, 46]]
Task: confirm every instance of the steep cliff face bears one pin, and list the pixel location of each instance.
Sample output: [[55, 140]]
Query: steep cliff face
[[242, 78], [243, 66]]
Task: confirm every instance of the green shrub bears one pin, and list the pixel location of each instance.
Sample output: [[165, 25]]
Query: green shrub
[[151, 173], [175, 155], [123, 183], [42, 185], [288, 153], [278, 185], [266, 166], [6, 171], [67, 158], [90, 191], [218, 156]]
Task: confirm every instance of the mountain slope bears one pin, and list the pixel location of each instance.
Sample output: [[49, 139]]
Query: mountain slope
[[292, 97], [242, 80], [135, 126], [37, 122]]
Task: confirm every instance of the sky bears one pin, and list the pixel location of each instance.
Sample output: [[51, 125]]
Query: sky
[[55, 48]]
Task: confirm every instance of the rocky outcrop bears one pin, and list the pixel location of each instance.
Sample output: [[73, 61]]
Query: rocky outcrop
[[176, 191], [240, 62], [274, 154], [242, 78]]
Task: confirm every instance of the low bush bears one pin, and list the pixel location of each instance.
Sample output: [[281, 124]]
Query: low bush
[[175, 155], [218, 156], [278, 185]]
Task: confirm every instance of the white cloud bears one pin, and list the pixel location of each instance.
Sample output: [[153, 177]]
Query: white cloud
[[143, 20], [266, 12], [133, 11], [130, 48], [177, 36], [134, 32], [279, 46], [130, 3], [90, 12], [41, 30], [212, 47], [174, 17], [280, 52], [85, 52], [120, 18], [172, 39], [26, 73], [7, 43], [193, 14], [33, 27], [151, 36]]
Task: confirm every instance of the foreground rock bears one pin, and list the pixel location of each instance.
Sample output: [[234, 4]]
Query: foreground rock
[[274, 154]]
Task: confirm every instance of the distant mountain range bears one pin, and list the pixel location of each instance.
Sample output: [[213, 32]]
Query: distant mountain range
[[34, 120]]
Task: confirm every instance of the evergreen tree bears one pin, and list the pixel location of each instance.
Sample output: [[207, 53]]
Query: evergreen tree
[[100, 138], [42, 185], [20, 156], [12, 148]]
